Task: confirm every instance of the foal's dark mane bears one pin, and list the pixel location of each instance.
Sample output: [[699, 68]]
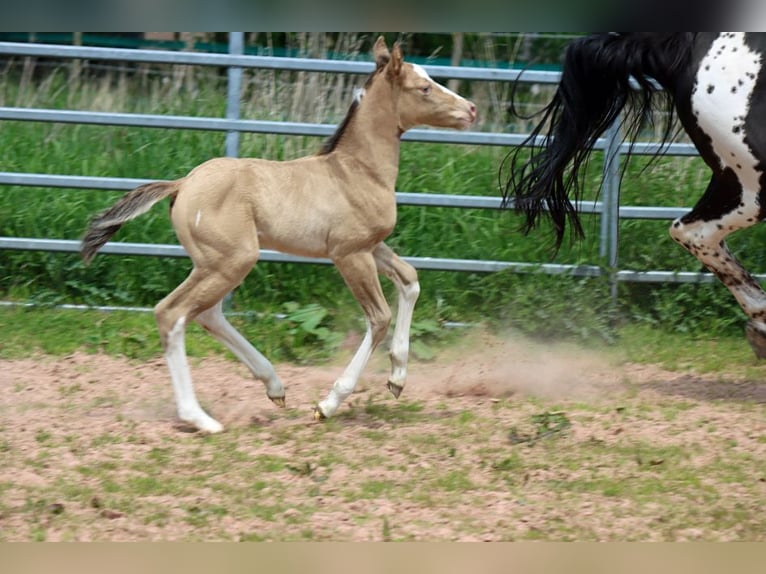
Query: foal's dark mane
[[332, 142], [595, 87]]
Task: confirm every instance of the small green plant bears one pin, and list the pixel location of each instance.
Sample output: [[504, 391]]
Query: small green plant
[[386, 530], [546, 424], [309, 326]]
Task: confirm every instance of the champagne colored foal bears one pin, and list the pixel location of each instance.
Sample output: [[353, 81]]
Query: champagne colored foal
[[338, 203]]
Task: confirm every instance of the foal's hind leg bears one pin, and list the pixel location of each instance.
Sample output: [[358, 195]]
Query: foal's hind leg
[[216, 324], [360, 273], [702, 232], [203, 288], [405, 278]]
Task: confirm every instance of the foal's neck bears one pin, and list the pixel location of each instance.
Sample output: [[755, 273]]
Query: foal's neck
[[372, 136]]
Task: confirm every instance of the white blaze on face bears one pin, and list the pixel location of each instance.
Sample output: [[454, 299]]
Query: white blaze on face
[[721, 102], [423, 74]]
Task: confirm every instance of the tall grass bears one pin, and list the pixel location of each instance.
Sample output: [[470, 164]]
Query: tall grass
[[544, 305]]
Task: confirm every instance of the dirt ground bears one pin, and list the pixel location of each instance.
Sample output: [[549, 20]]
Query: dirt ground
[[47, 401]]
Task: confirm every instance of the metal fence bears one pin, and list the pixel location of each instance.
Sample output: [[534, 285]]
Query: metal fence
[[608, 208]]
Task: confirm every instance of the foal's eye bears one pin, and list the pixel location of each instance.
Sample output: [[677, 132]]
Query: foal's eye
[[426, 90]]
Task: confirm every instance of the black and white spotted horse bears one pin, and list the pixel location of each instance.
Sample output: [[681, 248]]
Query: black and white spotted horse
[[715, 84]]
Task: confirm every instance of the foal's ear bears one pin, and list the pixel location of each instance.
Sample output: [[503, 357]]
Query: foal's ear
[[396, 60], [381, 53]]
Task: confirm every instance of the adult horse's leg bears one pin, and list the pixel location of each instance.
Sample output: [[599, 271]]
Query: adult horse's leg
[[361, 276], [405, 278], [702, 232], [216, 324]]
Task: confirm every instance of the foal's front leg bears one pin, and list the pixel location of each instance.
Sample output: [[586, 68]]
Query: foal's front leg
[[360, 274], [405, 278]]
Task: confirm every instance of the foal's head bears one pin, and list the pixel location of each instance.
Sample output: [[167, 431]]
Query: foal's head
[[421, 101]]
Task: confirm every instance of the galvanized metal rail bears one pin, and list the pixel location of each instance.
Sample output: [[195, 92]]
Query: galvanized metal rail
[[232, 124]]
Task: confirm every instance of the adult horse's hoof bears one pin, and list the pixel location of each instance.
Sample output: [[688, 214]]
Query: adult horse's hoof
[[318, 414], [757, 339], [395, 389], [279, 401]]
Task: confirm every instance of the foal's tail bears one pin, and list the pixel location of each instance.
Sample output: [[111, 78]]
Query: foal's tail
[[130, 206], [594, 89]]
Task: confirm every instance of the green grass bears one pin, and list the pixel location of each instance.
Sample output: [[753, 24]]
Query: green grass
[[536, 304], [702, 351]]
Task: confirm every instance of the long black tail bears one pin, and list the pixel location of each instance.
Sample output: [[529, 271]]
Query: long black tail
[[594, 88]]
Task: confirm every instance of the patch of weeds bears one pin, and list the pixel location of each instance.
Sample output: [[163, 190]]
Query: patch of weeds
[[670, 412], [110, 399], [259, 485], [465, 417], [105, 439], [650, 456], [546, 424], [612, 490], [270, 463], [200, 515], [133, 345], [379, 436], [39, 534], [386, 532], [305, 468], [281, 436], [455, 481], [310, 327], [511, 463], [333, 425], [373, 489], [307, 534], [427, 439], [424, 335], [152, 485], [252, 537], [161, 455], [158, 516], [398, 412], [74, 490], [423, 497], [43, 437], [70, 390], [267, 512]]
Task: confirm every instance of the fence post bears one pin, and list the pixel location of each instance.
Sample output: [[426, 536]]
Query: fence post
[[610, 207], [233, 95], [234, 91]]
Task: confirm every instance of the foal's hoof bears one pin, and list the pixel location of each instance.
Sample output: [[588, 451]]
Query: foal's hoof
[[757, 339], [395, 389], [279, 401], [318, 414]]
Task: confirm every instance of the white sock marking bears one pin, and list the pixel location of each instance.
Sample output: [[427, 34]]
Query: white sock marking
[[400, 343], [189, 409], [346, 383]]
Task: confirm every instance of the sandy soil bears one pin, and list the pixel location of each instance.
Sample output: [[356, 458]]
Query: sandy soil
[[87, 396]]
